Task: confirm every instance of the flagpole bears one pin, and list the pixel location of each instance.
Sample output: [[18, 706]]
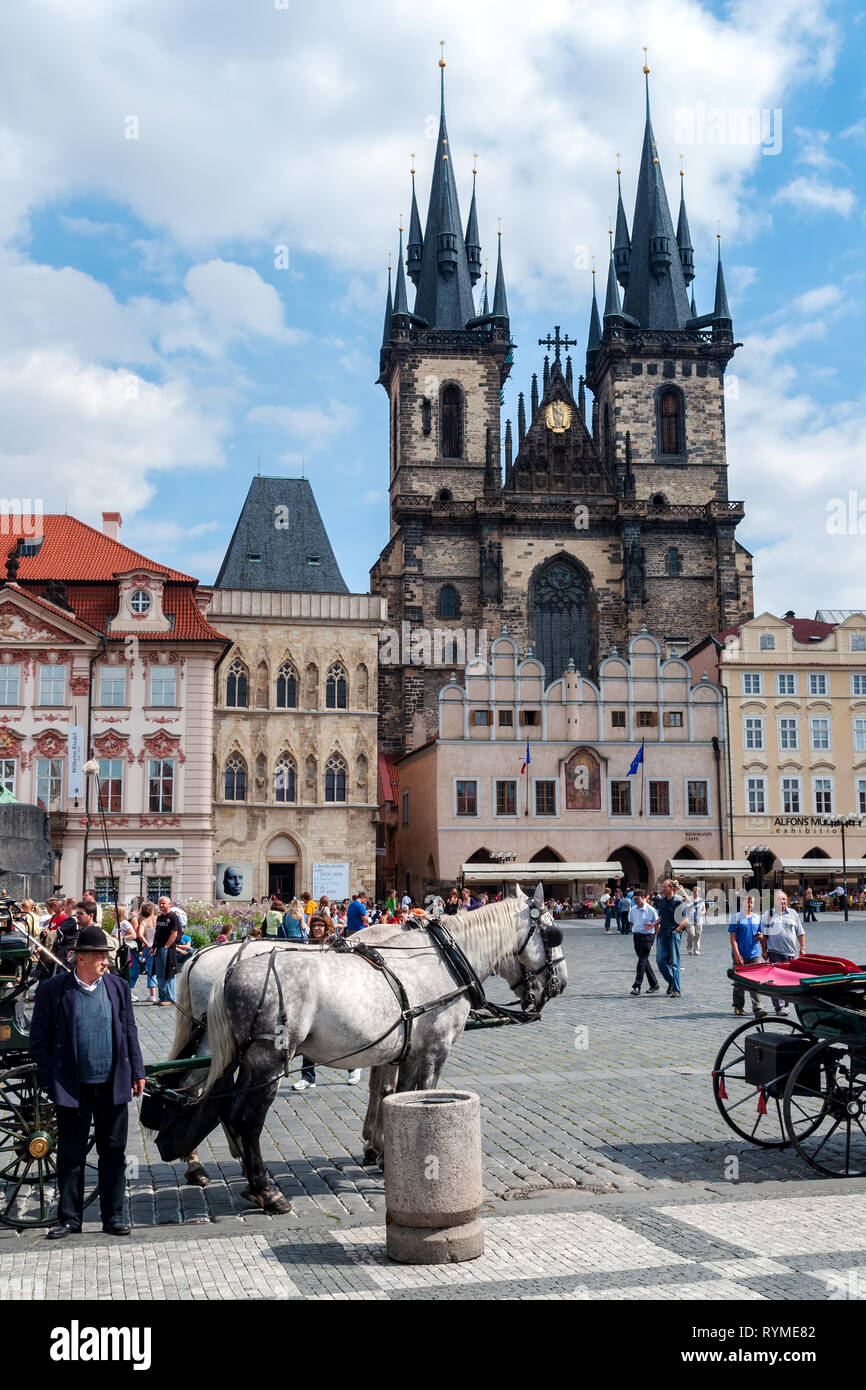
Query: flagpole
[[642, 771]]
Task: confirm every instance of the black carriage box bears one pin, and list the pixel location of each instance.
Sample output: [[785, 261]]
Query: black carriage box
[[771, 1057]]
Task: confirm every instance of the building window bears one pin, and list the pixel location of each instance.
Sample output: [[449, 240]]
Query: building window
[[103, 888], [823, 789], [8, 768], [236, 686], [659, 799], [756, 796], [674, 719], [754, 731], [647, 718], [111, 784], [697, 797], [52, 685], [140, 601], [160, 784], [790, 796], [530, 718], [861, 795], [112, 685], [9, 680], [617, 719], [236, 779], [506, 719], [506, 798], [789, 733], [448, 606], [669, 422], [49, 783], [820, 733], [335, 779], [451, 418], [860, 735], [858, 685], [287, 687], [404, 808], [786, 683], [163, 686], [620, 798], [818, 683], [675, 567], [285, 779], [467, 798], [481, 717], [560, 618], [336, 688], [767, 642], [545, 798], [753, 683], [158, 887], [858, 641]]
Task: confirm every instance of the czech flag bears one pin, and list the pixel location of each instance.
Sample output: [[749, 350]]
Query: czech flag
[[527, 760]]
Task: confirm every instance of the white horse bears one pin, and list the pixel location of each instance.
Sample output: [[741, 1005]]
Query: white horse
[[337, 1009]]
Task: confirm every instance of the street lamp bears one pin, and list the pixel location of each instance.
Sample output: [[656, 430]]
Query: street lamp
[[761, 858], [843, 823], [140, 862]]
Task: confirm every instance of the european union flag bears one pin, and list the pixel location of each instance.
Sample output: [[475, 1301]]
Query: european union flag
[[636, 762]]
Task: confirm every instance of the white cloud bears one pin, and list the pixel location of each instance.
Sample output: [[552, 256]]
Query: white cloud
[[816, 195], [311, 425], [814, 301], [813, 148]]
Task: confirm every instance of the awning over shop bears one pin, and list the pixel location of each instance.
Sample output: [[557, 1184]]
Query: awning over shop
[[689, 869], [816, 868], [113, 853], [556, 872]]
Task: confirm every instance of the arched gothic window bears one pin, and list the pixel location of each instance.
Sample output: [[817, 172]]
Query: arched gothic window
[[336, 688], [287, 687], [335, 779], [674, 562], [560, 623], [236, 778], [448, 605], [670, 431], [285, 779], [451, 422], [236, 685]]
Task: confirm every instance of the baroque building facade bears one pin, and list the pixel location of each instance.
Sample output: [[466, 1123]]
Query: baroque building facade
[[603, 520], [295, 747]]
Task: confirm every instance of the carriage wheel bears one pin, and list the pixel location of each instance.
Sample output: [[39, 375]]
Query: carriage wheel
[[750, 1110], [825, 1107], [28, 1152]]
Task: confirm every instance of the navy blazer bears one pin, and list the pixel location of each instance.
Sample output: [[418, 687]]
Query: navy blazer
[[54, 1044]]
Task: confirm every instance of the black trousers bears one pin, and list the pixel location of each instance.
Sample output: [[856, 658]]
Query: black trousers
[[111, 1123], [643, 944]]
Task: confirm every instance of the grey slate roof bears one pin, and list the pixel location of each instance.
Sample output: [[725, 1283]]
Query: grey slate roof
[[285, 551]]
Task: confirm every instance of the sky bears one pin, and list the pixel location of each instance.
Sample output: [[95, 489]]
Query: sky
[[198, 202]]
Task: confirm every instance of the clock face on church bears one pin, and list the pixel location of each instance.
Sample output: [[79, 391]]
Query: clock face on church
[[557, 416]]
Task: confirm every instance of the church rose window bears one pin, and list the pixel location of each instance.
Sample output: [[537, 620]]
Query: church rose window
[[559, 620], [451, 416]]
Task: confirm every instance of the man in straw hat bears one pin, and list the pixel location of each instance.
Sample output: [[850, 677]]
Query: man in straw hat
[[85, 1044]]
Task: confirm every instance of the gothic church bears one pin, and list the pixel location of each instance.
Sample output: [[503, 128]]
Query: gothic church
[[592, 530]]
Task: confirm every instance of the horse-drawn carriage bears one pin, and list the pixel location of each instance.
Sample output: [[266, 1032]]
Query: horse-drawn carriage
[[779, 1082]]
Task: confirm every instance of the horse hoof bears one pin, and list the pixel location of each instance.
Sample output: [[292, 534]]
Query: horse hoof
[[278, 1205], [195, 1176], [371, 1158], [255, 1197]]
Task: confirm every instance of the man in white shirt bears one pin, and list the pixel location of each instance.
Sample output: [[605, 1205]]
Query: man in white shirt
[[784, 938], [643, 919]]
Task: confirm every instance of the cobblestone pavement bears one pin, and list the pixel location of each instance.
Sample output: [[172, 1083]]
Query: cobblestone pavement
[[605, 1165]]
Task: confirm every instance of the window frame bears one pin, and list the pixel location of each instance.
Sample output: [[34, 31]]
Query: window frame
[[547, 782], [659, 782], [820, 719], [705, 783], [287, 675], [6, 777], [858, 677], [107, 685], [787, 676], [766, 642], [54, 802], [825, 791], [465, 782], [619, 782], [818, 676], [793, 778], [336, 768], [235, 766], [237, 672], [337, 685], [158, 670], [861, 746], [504, 782], [781, 720], [108, 800], [456, 421], [5, 677], [746, 676], [166, 799], [49, 668], [760, 786], [287, 762], [755, 720]]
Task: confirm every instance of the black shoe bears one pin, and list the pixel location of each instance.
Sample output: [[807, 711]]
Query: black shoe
[[669, 990], [65, 1229], [635, 990], [116, 1228]]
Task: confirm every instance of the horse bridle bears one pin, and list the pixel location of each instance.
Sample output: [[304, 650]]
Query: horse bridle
[[551, 939]]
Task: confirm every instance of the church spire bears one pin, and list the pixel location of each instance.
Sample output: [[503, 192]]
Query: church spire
[[612, 306], [722, 322], [401, 303], [444, 297], [473, 245], [684, 236], [389, 309], [594, 340], [656, 295], [415, 244], [500, 303], [485, 303], [622, 240]]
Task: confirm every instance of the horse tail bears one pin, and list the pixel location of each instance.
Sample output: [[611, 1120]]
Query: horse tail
[[184, 1023], [223, 1048]]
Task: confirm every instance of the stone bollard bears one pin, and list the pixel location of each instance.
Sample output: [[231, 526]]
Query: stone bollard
[[433, 1176]]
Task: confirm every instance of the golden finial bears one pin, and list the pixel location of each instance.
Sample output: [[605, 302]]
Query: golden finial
[[618, 170], [655, 153], [645, 66], [401, 221], [499, 220], [475, 168], [442, 54], [682, 170], [610, 227], [412, 170]]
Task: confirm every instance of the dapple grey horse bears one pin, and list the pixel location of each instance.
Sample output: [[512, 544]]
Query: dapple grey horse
[[338, 1010]]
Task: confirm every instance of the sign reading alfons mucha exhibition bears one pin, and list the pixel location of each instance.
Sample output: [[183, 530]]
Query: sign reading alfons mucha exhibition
[[583, 781]]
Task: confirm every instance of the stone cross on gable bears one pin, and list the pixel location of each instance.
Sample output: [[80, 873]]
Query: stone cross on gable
[[556, 342]]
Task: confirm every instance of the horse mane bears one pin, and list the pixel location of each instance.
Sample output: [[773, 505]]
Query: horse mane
[[486, 932]]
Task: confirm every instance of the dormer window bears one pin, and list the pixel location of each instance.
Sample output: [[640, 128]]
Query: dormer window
[[140, 601], [767, 642]]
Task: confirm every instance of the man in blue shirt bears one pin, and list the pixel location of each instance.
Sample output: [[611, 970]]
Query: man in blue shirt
[[356, 914], [746, 948]]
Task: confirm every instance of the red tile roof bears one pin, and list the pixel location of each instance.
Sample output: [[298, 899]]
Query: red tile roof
[[71, 550], [805, 630], [51, 608]]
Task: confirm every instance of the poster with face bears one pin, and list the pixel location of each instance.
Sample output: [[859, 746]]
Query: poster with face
[[234, 881]]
